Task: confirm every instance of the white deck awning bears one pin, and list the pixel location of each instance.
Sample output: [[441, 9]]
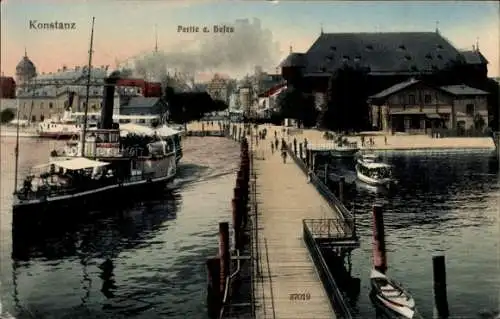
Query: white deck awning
[[166, 131], [78, 163], [135, 129]]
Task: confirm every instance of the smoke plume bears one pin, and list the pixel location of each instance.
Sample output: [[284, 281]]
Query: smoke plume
[[235, 53]]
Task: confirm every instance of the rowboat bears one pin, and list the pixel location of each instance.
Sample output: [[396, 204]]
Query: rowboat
[[389, 296]]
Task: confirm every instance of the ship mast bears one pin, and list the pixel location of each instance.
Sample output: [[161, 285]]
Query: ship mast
[[89, 69], [16, 150]]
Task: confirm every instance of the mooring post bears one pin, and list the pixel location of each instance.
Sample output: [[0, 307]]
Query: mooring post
[[341, 188], [440, 295], [213, 289], [300, 152], [307, 158], [223, 255], [379, 254], [236, 222]]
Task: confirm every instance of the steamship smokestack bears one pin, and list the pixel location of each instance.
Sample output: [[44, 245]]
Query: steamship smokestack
[[107, 101]]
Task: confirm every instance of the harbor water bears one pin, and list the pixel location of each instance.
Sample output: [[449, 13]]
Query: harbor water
[[148, 261], [445, 202]]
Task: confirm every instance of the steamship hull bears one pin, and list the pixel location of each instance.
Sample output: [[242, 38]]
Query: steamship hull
[[103, 199]]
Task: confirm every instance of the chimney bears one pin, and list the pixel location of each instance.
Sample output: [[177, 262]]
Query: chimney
[[108, 101]]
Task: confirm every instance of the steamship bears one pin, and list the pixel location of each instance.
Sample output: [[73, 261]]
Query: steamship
[[101, 166]]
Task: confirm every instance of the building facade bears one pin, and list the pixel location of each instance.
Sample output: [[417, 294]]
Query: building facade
[[47, 95], [389, 58], [416, 107]]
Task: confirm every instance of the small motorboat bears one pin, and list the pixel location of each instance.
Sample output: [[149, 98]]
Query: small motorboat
[[372, 171], [390, 297]]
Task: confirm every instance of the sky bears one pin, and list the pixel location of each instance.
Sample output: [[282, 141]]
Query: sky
[[125, 30]]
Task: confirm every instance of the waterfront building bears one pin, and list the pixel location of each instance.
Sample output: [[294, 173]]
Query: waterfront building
[[414, 106], [217, 88], [268, 100], [47, 95], [389, 58], [141, 105]]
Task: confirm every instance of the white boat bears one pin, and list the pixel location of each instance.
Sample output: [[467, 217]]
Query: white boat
[[63, 128], [370, 170], [390, 297]]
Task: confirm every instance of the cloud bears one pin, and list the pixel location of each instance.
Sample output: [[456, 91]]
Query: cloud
[[236, 52]]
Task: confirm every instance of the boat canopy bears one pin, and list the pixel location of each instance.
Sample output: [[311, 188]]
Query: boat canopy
[[166, 131], [375, 165], [130, 128], [163, 131], [78, 163]]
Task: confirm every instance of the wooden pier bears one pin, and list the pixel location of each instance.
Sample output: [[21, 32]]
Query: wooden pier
[[290, 286]]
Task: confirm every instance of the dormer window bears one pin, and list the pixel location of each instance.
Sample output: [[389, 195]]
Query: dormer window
[[439, 56], [369, 47], [345, 58], [402, 48], [407, 57], [428, 56], [357, 58], [439, 47]]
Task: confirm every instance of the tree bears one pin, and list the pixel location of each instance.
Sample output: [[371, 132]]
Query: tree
[[7, 115], [185, 107], [347, 107], [295, 104]]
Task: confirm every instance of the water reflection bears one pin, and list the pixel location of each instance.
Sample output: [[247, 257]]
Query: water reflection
[[97, 234]]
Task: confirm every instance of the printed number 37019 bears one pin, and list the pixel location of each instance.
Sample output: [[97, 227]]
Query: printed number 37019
[[305, 296]]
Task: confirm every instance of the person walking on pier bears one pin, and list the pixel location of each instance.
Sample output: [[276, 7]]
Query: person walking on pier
[[276, 144], [284, 155], [272, 148]]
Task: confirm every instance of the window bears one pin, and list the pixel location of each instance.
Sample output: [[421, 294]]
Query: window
[[439, 56], [428, 56], [24, 105], [427, 99], [42, 117], [402, 48], [51, 105], [402, 99], [41, 105], [469, 109], [333, 48], [411, 99], [369, 47], [440, 47], [407, 57], [357, 58], [33, 118]]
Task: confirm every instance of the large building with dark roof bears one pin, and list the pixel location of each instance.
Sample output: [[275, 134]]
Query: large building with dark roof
[[389, 58], [397, 55]]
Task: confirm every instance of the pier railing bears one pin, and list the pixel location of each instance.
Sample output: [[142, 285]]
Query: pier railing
[[336, 298], [330, 228], [346, 217]]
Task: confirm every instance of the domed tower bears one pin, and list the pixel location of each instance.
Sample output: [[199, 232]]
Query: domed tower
[[25, 70]]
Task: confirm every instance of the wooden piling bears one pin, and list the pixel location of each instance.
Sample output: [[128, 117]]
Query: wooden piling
[[341, 188], [237, 218], [379, 253], [440, 295], [223, 255], [213, 290]]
